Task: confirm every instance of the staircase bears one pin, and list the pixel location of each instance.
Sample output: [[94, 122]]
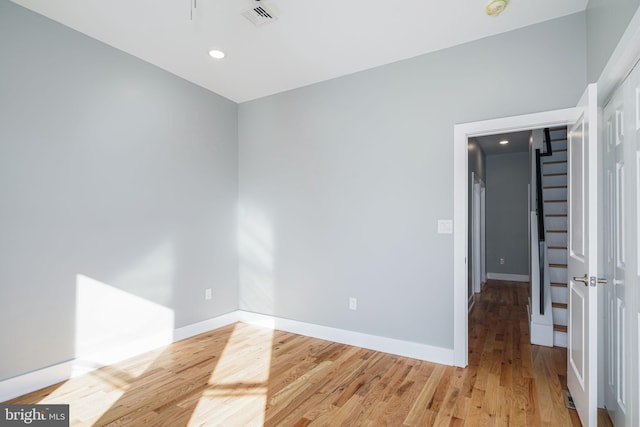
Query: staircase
[[554, 190]]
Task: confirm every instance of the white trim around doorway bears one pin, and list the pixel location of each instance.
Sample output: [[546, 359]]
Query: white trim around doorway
[[462, 132]]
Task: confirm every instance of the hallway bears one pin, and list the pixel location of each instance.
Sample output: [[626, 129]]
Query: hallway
[[508, 378]]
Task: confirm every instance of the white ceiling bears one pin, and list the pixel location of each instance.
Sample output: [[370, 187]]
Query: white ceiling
[[310, 42], [518, 143]]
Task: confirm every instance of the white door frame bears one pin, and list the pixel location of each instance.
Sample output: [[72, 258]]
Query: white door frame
[[483, 234], [476, 236], [462, 133]]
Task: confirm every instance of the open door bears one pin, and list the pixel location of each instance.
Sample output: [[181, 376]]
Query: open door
[[582, 366], [616, 257]]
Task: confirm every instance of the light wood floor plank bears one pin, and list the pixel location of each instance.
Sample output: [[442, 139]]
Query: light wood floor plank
[[243, 375]]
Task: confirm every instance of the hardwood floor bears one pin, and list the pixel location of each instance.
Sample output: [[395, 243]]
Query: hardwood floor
[[243, 375]]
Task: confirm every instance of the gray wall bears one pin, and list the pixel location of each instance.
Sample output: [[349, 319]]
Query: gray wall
[[606, 22], [342, 182], [477, 160], [507, 213], [109, 168], [477, 165]]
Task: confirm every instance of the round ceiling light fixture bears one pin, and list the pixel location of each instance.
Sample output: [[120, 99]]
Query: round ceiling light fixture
[[495, 7], [216, 54]]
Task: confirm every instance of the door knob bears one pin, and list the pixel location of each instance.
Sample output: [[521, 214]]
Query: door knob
[[584, 279]]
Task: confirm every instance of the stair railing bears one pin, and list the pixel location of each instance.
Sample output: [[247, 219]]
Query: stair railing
[[540, 212]]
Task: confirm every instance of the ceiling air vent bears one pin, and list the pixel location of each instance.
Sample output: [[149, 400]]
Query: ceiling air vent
[[259, 15]]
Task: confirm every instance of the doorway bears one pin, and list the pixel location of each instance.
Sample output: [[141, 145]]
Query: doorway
[[462, 133]]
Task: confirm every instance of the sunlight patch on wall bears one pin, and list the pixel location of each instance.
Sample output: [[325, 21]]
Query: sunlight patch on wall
[[151, 275], [256, 247], [112, 325], [239, 384]]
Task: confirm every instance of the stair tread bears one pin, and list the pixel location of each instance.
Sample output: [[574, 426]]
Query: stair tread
[[557, 247], [555, 201], [558, 139], [555, 162], [558, 265], [555, 174], [560, 328], [559, 285], [554, 186], [556, 231], [555, 215], [559, 305], [560, 150]]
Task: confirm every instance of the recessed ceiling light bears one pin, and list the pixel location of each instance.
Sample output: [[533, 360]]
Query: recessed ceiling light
[[504, 142], [216, 54], [495, 7]]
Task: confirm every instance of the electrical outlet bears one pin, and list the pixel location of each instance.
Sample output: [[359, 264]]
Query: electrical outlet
[[353, 303], [501, 260], [207, 293]]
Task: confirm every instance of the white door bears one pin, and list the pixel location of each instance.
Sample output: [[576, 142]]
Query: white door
[[582, 367], [615, 375]]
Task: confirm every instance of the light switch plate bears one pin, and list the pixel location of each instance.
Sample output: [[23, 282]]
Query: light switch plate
[[445, 226]]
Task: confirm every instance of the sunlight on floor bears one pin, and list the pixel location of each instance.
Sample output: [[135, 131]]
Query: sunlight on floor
[[112, 383], [111, 325], [238, 395]]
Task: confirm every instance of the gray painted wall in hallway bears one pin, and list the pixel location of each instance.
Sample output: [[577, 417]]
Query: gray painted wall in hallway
[[507, 213], [342, 182], [109, 168], [606, 22]]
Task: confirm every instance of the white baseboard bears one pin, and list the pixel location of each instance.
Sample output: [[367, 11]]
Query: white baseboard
[[410, 349], [508, 277], [35, 380], [206, 326], [26, 383]]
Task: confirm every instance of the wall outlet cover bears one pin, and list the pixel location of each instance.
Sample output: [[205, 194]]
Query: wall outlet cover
[[445, 226]]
